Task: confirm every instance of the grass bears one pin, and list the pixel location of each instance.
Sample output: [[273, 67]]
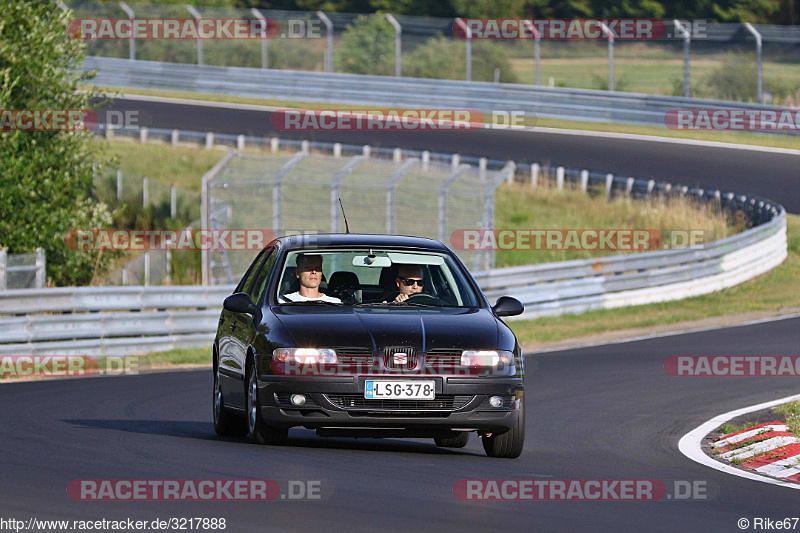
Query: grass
[[773, 291], [728, 428], [773, 141], [791, 411]]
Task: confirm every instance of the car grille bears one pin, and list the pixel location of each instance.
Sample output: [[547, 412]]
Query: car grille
[[443, 357], [357, 401], [410, 354]]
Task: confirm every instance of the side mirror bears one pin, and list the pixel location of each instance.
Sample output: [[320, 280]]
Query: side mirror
[[508, 306], [240, 302]]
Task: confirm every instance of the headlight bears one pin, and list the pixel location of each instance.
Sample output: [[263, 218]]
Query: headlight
[[305, 356], [486, 358]]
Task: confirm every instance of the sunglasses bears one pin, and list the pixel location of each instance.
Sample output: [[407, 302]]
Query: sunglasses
[[408, 282]]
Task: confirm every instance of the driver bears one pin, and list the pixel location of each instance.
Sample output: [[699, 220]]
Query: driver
[[309, 272], [409, 281]]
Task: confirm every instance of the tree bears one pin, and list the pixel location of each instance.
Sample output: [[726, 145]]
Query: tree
[[46, 182], [367, 47]]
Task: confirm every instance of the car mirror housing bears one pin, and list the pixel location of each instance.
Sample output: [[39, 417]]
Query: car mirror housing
[[508, 306], [240, 302]]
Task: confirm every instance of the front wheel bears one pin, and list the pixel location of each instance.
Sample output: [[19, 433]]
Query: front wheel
[[257, 431], [509, 444]]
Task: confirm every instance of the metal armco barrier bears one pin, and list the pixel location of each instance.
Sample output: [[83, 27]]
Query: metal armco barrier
[[556, 102]]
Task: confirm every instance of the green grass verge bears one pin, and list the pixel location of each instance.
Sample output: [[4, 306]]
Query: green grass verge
[[791, 411], [728, 428], [773, 141]]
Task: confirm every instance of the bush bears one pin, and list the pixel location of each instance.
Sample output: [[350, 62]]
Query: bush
[[366, 47], [444, 58]]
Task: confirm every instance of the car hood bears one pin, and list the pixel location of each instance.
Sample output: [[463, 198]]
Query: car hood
[[424, 329]]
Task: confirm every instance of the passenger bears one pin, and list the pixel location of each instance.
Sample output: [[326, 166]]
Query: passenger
[[409, 281], [309, 272]]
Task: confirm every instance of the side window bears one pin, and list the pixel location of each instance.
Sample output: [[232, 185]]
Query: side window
[[251, 285], [260, 285], [247, 279]]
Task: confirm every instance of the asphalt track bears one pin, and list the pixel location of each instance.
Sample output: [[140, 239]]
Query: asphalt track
[[605, 412], [773, 175]]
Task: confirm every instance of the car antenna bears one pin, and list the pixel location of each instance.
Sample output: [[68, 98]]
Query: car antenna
[[346, 227]]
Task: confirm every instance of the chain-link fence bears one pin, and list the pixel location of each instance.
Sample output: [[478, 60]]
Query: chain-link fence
[[382, 192], [22, 271], [723, 58]]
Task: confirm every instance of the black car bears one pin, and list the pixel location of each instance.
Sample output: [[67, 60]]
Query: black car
[[337, 349]]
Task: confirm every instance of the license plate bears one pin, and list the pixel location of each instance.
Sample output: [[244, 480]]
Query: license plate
[[400, 390]]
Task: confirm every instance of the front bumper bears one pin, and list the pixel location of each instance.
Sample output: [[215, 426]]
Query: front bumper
[[337, 403]]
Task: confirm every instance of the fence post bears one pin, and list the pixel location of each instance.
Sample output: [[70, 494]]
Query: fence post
[[426, 159], [610, 36], [687, 41], [131, 42], [329, 41], [197, 18], [240, 142], [260, 17], [41, 272], [534, 175], [173, 201], [455, 161], [397, 155], [119, 183], [757, 35], [366, 150], [209, 140], [146, 268], [145, 195], [457, 172], [176, 134], [169, 266], [482, 169], [3, 264], [143, 135], [584, 180], [609, 185], [273, 144], [560, 178], [398, 48], [629, 187], [468, 37], [304, 146]]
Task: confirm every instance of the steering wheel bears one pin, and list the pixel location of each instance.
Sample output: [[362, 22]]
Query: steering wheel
[[422, 298]]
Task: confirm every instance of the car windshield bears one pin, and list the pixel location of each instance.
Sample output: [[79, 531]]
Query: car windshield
[[372, 278]]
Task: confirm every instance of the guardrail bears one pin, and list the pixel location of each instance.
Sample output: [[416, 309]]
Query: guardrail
[[549, 102]]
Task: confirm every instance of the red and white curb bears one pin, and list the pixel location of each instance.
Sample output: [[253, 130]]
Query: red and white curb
[[783, 458], [769, 449]]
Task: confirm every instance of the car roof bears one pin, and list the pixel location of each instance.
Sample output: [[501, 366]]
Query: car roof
[[335, 240]]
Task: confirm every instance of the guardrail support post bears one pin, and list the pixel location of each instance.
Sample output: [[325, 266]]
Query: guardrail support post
[[629, 187], [560, 178], [131, 42], [366, 150], [482, 169], [534, 175], [584, 180], [176, 135], [536, 55], [146, 269], [757, 35], [329, 41], [119, 183], [609, 185], [397, 155], [426, 159], [398, 43], [169, 267], [145, 195], [337, 149], [240, 142], [455, 161], [687, 42], [197, 18], [304, 146], [263, 20], [143, 135], [173, 201], [273, 144], [209, 140]]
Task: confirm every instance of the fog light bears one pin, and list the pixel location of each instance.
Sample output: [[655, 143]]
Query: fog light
[[298, 399], [496, 401]]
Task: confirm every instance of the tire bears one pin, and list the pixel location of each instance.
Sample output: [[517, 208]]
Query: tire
[[226, 424], [507, 445], [458, 440], [257, 431]]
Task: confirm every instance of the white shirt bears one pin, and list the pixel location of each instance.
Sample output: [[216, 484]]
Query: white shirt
[[297, 297]]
